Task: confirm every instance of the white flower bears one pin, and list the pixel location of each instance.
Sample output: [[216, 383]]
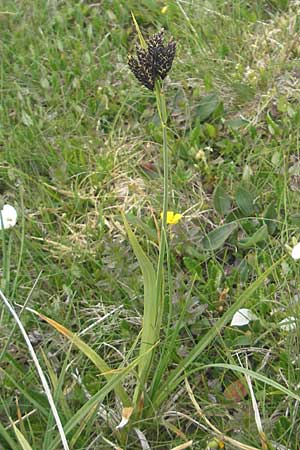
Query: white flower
[[242, 317], [296, 252], [8, 217], [288, 324]]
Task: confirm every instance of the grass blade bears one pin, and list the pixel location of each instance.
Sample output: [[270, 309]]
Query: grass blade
[[104, 368], [141, 38], [25, 393], [256, 376], [175, 377], [22, 441], [6, 436], [59, 397], [39, 370], [149, 333], [95, 399]]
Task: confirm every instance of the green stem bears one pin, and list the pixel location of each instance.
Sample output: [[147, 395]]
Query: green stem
[[161, 105], [159, 287]]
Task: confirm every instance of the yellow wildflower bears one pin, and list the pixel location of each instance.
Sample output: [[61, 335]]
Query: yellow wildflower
[[172, 218]]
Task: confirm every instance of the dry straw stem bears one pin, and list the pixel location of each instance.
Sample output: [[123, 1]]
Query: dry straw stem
[[21, 419], [263, 438], [215, 430], [183, 446]]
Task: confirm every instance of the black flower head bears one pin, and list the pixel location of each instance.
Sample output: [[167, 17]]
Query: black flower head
[[154, 62]]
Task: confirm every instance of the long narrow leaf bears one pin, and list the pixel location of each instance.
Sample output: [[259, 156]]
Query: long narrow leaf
[[257, 376], [59, 397], [170, 344], [149, 333], [26, 394], [97, 398], [175, 377], [6, 436], [22, 441], [90, 353], [141, 38]]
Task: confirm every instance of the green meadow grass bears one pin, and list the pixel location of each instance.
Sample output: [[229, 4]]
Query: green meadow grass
[[80, 141]]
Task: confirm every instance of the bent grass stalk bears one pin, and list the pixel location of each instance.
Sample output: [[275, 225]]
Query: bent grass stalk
[[39, 370]]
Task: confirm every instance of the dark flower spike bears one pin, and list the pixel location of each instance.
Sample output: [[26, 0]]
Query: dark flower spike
[[154, 62]]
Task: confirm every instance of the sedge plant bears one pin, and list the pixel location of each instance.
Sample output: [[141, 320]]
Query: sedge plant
[[152, 63], [150, 66]]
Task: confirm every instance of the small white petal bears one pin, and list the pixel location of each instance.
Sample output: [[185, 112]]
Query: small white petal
[[242, 317], [296, 252], [122, 424], [126, 413], [288, 324], [9, 217]]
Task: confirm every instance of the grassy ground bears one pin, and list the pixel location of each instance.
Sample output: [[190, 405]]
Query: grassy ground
[[80, 139]]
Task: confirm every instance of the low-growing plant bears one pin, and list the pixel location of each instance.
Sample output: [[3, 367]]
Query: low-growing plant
[[156, 377]]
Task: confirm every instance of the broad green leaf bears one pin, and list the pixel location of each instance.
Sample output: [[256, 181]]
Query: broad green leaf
[[270, 217], [260, 235], [149, 333], [207, 106], [216, 238], [295, 219], [90, 353], [22, 441], [274, 129], [150, 232], [221, 200], [244, 91], [236, 123], [211, 131], [195, 136], [245, 200], [178, 374]]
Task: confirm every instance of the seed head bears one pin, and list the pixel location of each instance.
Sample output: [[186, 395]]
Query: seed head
[[154, 62]]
